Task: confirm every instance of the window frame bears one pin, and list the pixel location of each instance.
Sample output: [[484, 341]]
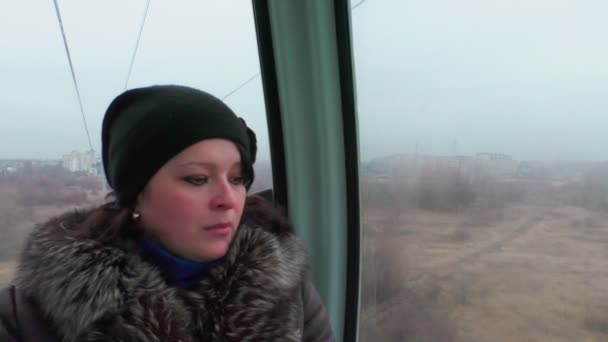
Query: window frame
[[308, 77]]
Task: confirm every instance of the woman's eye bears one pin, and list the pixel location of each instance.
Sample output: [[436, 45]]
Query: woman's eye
[[237, 180], [196, 180]]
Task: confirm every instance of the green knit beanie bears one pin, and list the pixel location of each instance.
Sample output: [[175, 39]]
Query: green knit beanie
[[145, 127]]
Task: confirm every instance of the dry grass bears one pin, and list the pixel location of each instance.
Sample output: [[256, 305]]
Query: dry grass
[[596, 319], [16, 221], [7, 270], [528, 274]]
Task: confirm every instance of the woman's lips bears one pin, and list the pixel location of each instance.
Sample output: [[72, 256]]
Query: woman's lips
[[221, 229]]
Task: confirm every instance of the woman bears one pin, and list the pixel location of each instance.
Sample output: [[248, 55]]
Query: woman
[[181, 254]]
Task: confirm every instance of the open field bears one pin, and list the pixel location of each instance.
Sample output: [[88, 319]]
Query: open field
[[7, 270], [18, 219], [13, 237], [529, 273]]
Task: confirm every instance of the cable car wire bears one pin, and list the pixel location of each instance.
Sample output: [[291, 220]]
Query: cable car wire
[[141, 29], [67, 51], [258, 74], [357, 4], [241, 86]]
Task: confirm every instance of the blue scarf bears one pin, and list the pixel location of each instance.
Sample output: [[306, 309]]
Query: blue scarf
[[177, 271]]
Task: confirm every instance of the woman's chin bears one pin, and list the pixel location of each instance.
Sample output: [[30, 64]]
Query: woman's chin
[[212, 252]]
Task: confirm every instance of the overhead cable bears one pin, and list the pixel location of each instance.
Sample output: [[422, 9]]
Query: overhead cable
[[67, 51], [258, 74], [141, 29]]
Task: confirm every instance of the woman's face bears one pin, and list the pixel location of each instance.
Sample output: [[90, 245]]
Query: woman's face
[[193, 205]]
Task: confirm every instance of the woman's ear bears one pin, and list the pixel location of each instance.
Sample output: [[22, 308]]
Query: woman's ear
[[136, 213]]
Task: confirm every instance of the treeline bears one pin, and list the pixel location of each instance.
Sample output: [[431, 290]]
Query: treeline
[[440, 190], [591, 191], [50, 185], [446, 190]]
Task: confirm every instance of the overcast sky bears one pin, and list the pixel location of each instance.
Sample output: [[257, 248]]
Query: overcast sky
[[210, 45], [527, 78]]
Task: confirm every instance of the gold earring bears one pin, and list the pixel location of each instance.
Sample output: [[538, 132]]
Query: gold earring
[[135, 216]]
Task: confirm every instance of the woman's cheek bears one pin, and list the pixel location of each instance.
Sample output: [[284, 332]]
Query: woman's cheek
[[184, 203]]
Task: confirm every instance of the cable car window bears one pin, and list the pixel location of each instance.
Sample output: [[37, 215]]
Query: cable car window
[[484, 169], [52, 105]]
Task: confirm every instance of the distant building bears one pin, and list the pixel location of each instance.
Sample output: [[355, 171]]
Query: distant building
[[11, 166], [81, 162], [409, 168], [498, 164], [493, 156], [8, 170]]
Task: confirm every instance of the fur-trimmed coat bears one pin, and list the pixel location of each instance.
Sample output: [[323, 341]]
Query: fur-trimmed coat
[[72, 288]]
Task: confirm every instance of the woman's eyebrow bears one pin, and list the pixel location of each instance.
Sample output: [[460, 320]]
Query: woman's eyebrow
[[207, 164], [198, 163]]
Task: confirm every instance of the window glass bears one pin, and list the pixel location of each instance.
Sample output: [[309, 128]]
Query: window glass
[[484, 169]]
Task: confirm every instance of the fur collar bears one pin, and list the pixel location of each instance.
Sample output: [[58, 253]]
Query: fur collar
[[94, 291]]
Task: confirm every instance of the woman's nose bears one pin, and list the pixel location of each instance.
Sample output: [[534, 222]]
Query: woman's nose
[[224, 198]]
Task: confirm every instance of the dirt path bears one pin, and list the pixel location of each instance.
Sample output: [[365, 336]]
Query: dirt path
[[497, 245], [443, 272], [536, 276]]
